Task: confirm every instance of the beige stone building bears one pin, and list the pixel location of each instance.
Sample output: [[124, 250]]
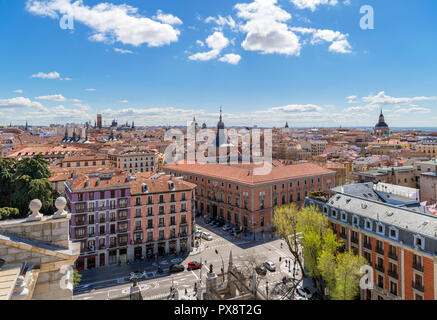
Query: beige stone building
[[134, 161], [37, 257]]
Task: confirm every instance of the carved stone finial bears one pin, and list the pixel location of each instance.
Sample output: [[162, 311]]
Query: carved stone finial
[[60, 204], [34, 206], [210, 268]]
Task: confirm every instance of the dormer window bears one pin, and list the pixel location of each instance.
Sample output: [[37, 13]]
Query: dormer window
[[419, 241], [368, 225], [380, 228], [356, 221], [343, 216], [393, 233], [334, 214]]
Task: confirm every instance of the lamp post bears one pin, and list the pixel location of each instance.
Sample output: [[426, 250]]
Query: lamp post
[[223, 265]]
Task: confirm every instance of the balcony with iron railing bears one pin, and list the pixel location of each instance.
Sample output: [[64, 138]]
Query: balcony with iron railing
[[393, 274], [379, 250], [379, 268], [418, 266], [149, 226], [418, 286], [80, 222], [392, 255]]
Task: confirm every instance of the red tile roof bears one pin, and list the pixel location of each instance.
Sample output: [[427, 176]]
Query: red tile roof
[[245, 174]]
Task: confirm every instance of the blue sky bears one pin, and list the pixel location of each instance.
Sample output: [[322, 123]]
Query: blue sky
[[307, 62]]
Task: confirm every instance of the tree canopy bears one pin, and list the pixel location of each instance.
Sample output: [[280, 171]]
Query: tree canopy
[[24, 180]]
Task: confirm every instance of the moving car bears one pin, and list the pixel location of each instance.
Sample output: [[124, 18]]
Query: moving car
[[270, 266], [304, 292], [194, 265], [261, 270], [177, 268], [206, 236]]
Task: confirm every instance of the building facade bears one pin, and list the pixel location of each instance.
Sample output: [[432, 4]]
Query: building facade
[[235, 195], [163, 220], [396, 237], [100, 222], [134, 161]]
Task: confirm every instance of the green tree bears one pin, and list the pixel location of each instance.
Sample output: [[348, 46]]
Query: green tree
[[29, 189], [347, 276], [36, 168], [285, 224], [316, 238], [77, 277], [7, 174], [9, 213]]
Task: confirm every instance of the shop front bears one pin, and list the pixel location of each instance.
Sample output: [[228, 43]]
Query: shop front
[[149, 251], [161, 249], [113, 257], [138, 253], [90, 262], [173, 247], [123, 255]]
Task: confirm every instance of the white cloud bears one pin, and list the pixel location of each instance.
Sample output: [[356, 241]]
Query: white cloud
[[222, 22], [266, 29], [50, 75], [382, 98], [231, 58], [67, 79], [90, 89], [167, 18], [124, 101], [338, 40], [420, 110], [351, 99], [123, 51], [297, 108], [200, 43], [312, 4], [110, 22], [217, 42], [53, 97], [18, 91], [20, 102]]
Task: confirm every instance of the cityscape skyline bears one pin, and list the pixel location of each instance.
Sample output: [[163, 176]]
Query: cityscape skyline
[[204, 56]]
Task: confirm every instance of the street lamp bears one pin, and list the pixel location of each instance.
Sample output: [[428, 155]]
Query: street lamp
[[223, 265]]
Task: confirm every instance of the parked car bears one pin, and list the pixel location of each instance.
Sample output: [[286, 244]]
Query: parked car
[[206, 236], [227, 227], [270, 266], [304, 292], [217, 224], [194, 265], [177, 268], [221, 224], [136, 274], [261, 270]]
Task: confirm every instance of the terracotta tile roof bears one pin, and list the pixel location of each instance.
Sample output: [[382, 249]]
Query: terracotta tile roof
[[246, 175], [98, 182], [160, 185]]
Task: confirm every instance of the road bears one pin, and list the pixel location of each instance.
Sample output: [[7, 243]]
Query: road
[[112, 282]]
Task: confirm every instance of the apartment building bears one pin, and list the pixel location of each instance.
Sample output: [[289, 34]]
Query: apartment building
[[238, 196], [100, 217], [393, 232], [316, 147], [133, 161], [163, 222], [84, 161]]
